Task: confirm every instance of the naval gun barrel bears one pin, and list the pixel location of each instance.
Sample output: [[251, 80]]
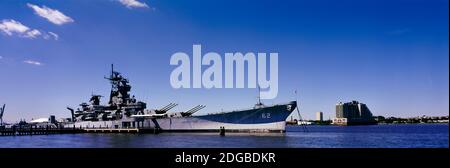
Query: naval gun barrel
[[173, 105], [168, 107], [195, 109], [163, 108]]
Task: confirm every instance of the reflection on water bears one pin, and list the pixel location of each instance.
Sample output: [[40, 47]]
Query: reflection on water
[[384, 136]]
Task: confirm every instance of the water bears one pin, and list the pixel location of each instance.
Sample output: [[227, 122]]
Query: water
[[376, 136]]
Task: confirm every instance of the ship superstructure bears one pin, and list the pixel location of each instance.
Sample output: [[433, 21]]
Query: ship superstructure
[[120, 105]]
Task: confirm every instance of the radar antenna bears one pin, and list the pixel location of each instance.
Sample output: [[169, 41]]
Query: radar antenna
[[259, 103]]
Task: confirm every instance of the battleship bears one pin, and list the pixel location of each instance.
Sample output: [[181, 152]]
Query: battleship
[[124, 111]]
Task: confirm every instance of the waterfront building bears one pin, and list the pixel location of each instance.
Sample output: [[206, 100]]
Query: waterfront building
[[353, 113], [319, 116]]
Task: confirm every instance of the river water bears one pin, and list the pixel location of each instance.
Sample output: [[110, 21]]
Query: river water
[[375, 136]]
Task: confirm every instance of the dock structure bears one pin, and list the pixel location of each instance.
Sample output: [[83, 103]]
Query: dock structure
[[111, 130], [18, 131]]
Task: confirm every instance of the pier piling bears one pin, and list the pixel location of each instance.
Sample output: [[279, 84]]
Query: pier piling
[[222, 131]]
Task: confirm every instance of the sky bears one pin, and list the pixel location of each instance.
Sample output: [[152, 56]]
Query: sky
[[392, 55]]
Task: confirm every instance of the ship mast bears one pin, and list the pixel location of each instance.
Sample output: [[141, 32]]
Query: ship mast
[[258, 103], [259, 95], [119, 87], [111, 76]]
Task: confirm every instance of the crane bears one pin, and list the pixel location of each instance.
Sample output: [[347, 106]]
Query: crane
[[2, 110]]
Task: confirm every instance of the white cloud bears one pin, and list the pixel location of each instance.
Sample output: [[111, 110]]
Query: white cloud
[[133, 4], [51, 15], [54, 35], [11, 27], [33, 62], [51, 34], [33, 33]]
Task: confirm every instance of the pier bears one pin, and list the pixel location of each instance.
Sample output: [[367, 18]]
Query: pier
[[18, 131]]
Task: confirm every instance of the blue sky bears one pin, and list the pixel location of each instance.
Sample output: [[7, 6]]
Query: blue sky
[[391, 55]]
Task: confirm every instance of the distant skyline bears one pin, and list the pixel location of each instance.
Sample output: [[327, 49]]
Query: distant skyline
[[391, 55]]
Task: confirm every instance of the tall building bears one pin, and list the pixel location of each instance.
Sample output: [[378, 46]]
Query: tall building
[[319, 116], [353, 113]]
